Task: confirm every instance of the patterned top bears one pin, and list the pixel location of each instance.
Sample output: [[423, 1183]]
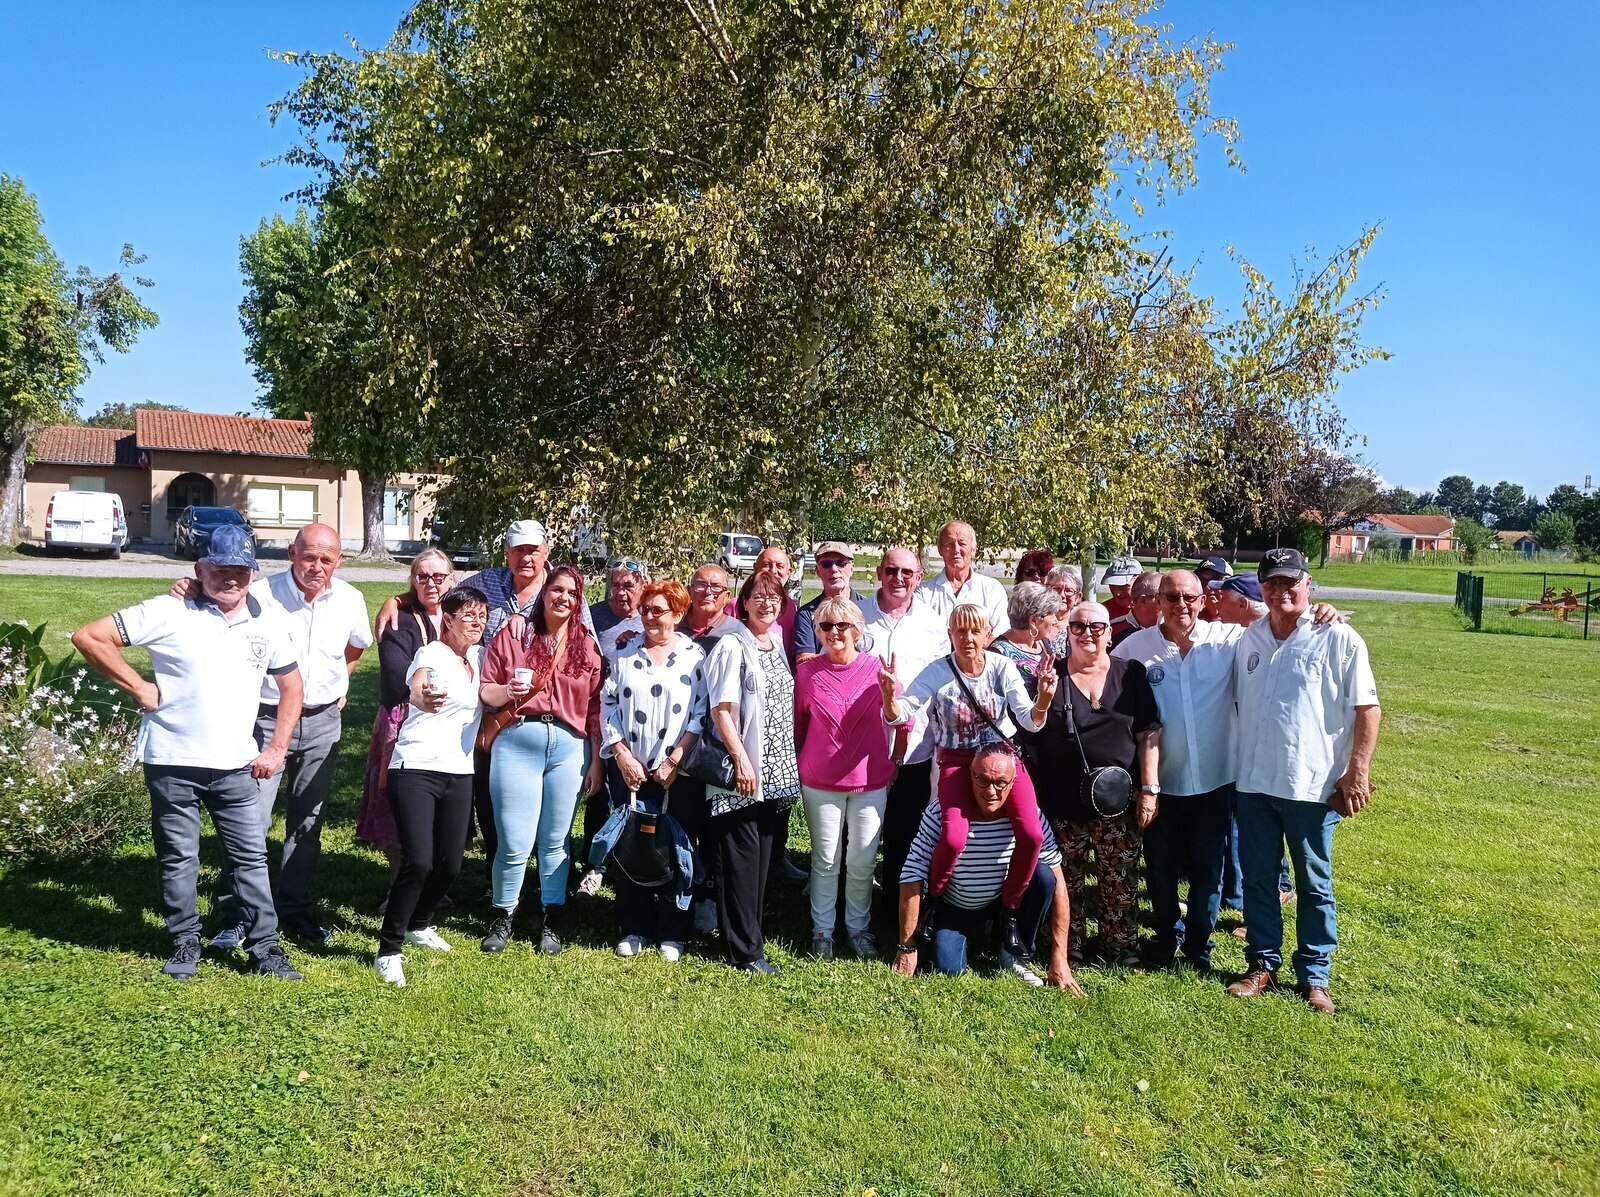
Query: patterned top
[[499, 586], [650, 706], [780, 776], [939, 698]]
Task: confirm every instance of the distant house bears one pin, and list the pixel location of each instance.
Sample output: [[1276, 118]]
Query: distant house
[[1518, 542], [171, 460], [1416, 534]]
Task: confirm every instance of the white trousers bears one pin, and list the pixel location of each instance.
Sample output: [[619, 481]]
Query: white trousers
[[843, 826]]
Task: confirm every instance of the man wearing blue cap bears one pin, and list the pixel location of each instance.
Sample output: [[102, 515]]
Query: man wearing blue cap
[[210, 654], [1237, 600]]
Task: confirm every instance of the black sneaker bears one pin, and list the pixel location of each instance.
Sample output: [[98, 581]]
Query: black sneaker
[[763, 966], [274, 963], [499, 932], [180, 965], [549, 934], [307, 930]]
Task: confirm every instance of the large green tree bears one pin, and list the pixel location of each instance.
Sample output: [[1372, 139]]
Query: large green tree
[[120, 415], [53, 327], [312, 317], [686, 264]]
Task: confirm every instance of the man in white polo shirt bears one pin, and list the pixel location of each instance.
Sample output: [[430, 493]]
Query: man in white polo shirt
[[958, 583], [1303, 743], [210, 654]]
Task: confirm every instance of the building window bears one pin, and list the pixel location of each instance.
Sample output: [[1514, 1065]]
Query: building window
[[397, 508], [283, 506], [88, 482]]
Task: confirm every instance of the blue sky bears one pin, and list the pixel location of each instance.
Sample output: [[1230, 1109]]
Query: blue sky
[[1467, 130]]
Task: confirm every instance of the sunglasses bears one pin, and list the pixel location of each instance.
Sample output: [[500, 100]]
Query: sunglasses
[[1080, 628], [655, 612], [827, 625], [832, 563], [1034, 573], [435, 579], [894, 570], [1192, 599]]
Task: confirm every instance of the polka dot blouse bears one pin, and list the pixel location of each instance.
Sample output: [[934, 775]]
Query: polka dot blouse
[[649, 706]]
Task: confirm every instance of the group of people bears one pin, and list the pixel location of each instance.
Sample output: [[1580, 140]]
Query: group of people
[[995, 748]]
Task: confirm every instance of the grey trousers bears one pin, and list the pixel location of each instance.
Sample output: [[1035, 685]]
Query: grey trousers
[[309, 768], [177, 794]]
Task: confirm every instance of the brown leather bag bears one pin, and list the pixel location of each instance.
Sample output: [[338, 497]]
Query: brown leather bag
[[496, 722]]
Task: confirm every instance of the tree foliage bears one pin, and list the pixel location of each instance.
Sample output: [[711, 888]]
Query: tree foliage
[[54, 326], [1472, 538], [120, 415], [690, 264], [1555, 530]]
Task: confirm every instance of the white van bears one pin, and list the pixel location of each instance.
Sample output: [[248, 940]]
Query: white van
[[86, 519]]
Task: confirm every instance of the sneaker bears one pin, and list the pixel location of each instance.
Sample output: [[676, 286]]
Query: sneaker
[[1019, 970], [670, 951], [550, 933], [591, 883], [229, 939], [759, 966], [181, 964], [307, 930], [705, 916], [864, 945], [822, 947], [428, 937], [499, 932], [274, 963], [389, 970], [629, 945]]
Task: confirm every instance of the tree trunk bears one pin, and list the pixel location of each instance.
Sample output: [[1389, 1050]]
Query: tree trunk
[[14, 464], [1322, 564], [372, 546]]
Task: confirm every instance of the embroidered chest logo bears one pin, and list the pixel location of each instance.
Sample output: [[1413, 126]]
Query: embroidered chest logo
[[1250, 665], [1157, 674], [258, 650]]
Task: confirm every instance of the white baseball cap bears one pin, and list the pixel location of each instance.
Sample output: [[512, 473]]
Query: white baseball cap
[[525, 532]]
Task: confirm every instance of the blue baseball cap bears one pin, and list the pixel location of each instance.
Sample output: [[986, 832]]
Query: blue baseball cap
[[231, 545], [1245, 584]]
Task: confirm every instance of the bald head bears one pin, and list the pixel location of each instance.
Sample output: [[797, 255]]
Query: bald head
[[313, 556]]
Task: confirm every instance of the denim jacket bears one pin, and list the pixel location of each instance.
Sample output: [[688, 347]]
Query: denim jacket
[[686, 875]]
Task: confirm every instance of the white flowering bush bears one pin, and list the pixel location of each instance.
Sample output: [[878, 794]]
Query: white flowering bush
[[69, 785]]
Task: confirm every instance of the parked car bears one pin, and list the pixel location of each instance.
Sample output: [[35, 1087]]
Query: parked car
[[86, 519], [737, 552], [464, 552], [192, 534]]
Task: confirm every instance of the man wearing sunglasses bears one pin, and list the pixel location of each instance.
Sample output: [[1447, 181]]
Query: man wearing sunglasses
[[836, 563]]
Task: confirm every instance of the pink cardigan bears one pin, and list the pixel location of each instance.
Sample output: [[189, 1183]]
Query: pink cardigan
[[838, 725]]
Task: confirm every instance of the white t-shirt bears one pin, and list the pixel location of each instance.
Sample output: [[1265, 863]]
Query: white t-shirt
[[915, 640], [208, 668], [322, 631], [1194, 694], [940, 699], [989, 593], [1297, 701], [442, 740]]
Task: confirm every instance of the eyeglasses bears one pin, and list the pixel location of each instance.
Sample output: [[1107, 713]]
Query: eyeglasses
[[896, 570], [1194, 600], [708, 587], [431, 579], [473, 615], [1079, 628], [827, 625], [764, 600], [1033, 573], [655, 612]]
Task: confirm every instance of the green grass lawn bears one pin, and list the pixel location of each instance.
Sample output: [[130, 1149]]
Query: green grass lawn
[[1519, 579], [1465, 1058]]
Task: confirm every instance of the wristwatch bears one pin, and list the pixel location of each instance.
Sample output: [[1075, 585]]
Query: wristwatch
[[1150, 790]]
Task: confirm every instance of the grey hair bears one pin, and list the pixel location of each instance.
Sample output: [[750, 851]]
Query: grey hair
[[994, 748], [1065, 573], [841, 610], [1030, 601], [1146, 585], [428, 555], [1258, 610]]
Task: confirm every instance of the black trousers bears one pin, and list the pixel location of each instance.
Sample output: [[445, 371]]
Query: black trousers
[[902, 811], [651, 914], [744, 840], [432, 812], [483, 810]]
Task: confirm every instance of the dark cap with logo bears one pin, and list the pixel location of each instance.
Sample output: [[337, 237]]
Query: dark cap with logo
[[231, 545], [1282, 563], [1245, 584], [1215, 565]]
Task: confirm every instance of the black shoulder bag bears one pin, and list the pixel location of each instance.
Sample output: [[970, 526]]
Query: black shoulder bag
[[1107, 791], [978, 706], [644, 850], [709, 760]]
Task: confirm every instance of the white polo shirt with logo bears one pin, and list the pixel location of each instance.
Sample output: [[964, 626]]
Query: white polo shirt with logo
[[1194, 694], [1297, 701], [915, 640], [942, 597], [321, 629], [209, 668]]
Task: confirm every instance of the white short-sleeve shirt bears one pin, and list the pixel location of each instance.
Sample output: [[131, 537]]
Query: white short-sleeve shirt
[[1194, 694], [915, 640], [989, 593], [322, 631], [209, 668], [1297, 701], [442, 740]]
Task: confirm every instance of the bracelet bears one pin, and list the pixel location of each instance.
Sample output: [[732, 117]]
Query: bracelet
[[905, 949]]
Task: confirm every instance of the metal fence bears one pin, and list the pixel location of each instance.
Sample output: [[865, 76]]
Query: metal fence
[[1532, 603]]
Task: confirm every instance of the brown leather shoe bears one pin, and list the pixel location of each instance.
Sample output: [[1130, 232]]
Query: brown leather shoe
[[1317, 998], [1254, 983]]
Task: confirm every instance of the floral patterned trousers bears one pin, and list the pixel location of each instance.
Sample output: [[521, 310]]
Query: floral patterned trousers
[[1114, 844]]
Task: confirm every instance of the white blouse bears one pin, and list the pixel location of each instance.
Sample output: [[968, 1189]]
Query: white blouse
[[937, 697], [648, 706]]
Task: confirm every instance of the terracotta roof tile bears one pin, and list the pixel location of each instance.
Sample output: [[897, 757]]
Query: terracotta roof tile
[[73, 444], [201, 432], [1418, 525]]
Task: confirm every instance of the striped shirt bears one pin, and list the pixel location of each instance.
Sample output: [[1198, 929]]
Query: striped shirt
[[981, 867]]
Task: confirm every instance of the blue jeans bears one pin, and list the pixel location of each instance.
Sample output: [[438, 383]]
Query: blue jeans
[[1232, 884], [536, 772], [1189, 838], [1265, 823], [952, 925]]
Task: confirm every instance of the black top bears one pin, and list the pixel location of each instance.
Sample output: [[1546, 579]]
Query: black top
[[1127, 707], [396, 647]]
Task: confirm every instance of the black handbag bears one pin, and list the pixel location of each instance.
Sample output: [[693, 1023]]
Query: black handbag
[[709, 760], [644, 851], [1108, 791]]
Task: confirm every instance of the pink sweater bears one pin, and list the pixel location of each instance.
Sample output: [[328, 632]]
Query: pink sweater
[[838, 725]]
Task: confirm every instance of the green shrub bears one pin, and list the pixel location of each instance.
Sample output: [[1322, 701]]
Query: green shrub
[[69, 786]]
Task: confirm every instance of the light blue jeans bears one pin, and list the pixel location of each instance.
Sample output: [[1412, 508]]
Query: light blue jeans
[[535, 774], [1265, 824]]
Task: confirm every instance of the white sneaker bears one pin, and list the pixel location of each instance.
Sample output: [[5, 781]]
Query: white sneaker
[[630, 945], [1020, 970], [591, 883], [389, 970], [671, 951], [428, 937]]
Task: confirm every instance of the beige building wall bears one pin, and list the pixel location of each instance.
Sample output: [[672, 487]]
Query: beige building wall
[[232, 476], [44, 480]]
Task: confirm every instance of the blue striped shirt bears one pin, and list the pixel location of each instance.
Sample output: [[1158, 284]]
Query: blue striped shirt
[[981, 867]]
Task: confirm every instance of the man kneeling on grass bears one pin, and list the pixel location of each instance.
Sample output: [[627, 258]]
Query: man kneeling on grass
[[972, 896]]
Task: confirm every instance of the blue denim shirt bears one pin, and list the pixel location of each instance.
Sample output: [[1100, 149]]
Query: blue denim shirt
[[686, 875]]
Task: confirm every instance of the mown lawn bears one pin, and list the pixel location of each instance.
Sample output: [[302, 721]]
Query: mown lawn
[[1516, 579], [1465, 1058]]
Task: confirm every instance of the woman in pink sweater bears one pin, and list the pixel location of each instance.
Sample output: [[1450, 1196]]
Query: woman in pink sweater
[[845, 772]]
